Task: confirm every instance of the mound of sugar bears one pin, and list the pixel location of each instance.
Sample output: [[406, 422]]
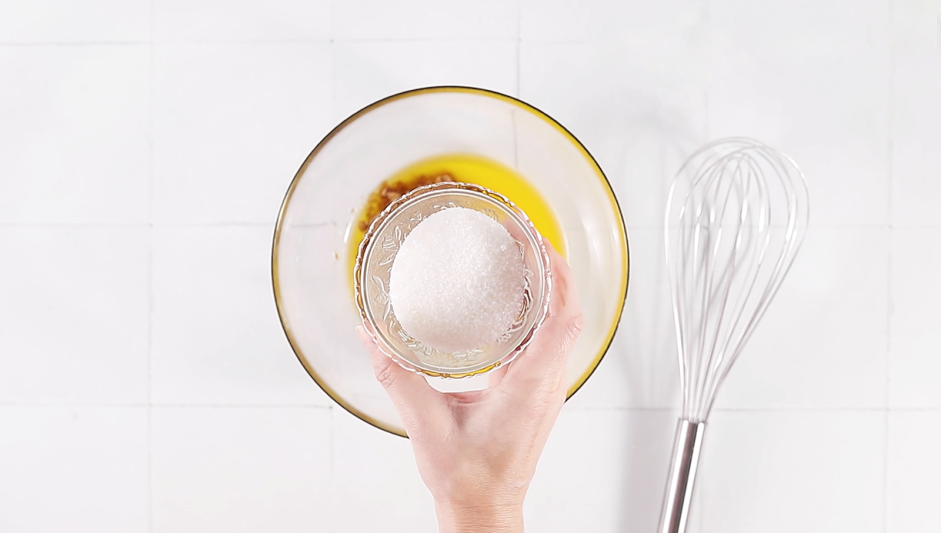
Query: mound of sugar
[[457, 281]]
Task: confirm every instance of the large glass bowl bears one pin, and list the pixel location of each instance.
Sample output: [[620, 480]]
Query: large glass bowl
[[312, 276]]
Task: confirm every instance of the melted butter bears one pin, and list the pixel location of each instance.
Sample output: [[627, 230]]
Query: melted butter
[[458, 167]]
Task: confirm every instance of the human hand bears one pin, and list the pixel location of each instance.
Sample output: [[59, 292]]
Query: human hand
[[477, 451]]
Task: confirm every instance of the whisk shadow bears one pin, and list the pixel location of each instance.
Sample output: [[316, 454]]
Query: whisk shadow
[[641, 143], [646, 346]]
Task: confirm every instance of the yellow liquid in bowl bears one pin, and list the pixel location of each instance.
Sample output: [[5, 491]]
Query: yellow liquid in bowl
[[467, 168]]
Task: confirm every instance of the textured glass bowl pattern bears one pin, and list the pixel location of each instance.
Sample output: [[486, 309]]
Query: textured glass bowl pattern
[[376, 257]]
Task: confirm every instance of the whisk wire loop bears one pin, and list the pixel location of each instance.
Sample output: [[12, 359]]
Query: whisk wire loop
[[736, 215]]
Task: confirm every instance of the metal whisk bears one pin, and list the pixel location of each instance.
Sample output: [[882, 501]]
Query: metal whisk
[[736, 216]]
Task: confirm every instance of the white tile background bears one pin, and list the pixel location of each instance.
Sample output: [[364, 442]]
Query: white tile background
[[145, 385]]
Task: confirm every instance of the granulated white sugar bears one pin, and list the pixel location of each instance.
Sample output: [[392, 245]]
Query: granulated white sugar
[[457, 281]]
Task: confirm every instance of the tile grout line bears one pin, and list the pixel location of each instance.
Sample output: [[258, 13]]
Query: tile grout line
[[331, 40], [760, 410], [885, 472], [519, 89], [75, 43], [574, 409], [74, 225], [519, 48], [105, 225], [151, 405], [334, 479], [333, 482], [150, 269], [333, 62], [207, 225], [705, 80], [890, 111]]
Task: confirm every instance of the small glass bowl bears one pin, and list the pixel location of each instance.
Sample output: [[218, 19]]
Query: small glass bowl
[[373, 268]]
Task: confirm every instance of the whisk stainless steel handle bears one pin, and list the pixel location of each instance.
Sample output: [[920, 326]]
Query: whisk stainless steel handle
[[735, 219], [683, 467]]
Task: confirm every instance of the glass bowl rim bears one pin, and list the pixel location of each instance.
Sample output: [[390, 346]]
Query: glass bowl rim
[[459, 89], [419, 193]]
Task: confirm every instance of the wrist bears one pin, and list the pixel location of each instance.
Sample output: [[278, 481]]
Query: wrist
[[479, 518]]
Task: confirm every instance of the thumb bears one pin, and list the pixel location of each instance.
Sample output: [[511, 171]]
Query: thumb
[[417, 403], [542, 365]]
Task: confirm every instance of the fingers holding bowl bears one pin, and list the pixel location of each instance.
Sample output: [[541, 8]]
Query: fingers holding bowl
[[542, 364]]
